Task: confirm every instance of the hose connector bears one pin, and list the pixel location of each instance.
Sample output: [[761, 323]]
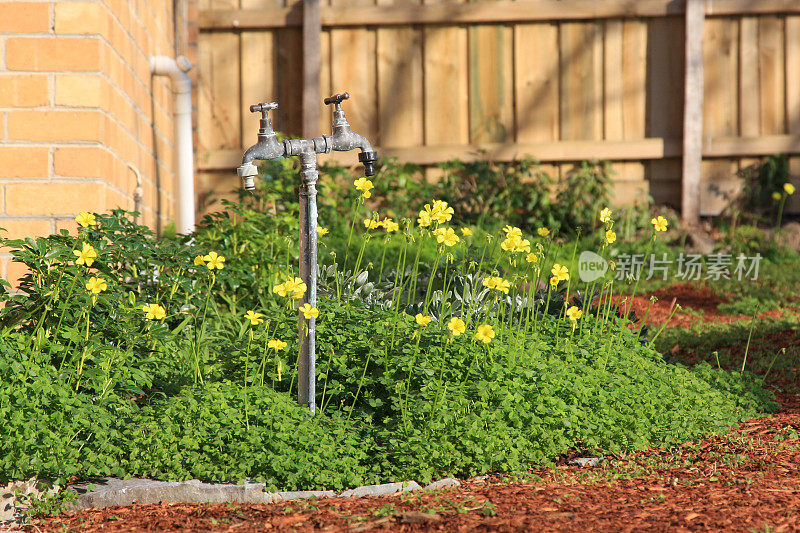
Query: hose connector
[[247, 172]]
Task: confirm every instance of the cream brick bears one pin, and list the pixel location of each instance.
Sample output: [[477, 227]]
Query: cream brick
[[24, 162], [23, 90], [24, 17], [52, 53], [19, 229], [54, 198], [84, 162], [68, 224], [114, 200], [81, 18], [56, 125], [82, 90]]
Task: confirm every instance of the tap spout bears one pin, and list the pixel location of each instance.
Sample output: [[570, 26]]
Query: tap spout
[[266, 148], [343, 140]]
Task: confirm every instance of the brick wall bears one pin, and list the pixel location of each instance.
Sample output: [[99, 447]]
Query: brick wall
[[79, 111]]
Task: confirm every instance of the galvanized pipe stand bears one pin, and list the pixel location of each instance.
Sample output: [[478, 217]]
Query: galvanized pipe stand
[[306, 366], [268, 147]]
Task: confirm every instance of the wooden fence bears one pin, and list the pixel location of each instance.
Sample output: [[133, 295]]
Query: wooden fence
[[561, 81]]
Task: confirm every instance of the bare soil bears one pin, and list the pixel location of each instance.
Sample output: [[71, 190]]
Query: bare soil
[[700, 300]]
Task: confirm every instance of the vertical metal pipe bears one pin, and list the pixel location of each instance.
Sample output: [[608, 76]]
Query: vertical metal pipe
[[306, 367]]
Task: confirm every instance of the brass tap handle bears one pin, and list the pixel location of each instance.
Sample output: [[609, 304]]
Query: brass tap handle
[[263, 108], [336, 98]]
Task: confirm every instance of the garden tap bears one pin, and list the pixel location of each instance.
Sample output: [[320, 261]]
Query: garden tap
[[306, 150], [344, 139], [267, 147]]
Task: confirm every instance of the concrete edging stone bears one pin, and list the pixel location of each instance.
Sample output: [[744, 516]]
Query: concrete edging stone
[[118, 492]]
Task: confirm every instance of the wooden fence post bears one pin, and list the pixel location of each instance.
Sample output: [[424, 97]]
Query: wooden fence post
[[312, 29], [693, 113]]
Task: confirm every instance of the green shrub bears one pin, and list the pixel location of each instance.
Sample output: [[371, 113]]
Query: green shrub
[[761, 182], [483, 192]]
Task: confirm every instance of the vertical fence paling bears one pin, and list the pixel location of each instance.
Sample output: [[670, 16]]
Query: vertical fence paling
[[693, 112], [312, 34], [541, 77]]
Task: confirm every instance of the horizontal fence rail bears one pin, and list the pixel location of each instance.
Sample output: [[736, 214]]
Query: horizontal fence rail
[[479, 13], [564, 151]]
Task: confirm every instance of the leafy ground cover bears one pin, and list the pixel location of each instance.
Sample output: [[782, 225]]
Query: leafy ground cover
[[745, 480], [133, 356]]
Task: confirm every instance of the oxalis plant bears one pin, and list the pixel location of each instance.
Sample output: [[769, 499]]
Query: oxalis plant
[[450, 351]]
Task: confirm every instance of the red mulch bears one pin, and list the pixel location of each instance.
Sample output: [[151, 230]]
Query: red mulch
[[699, 298], [747, 480]]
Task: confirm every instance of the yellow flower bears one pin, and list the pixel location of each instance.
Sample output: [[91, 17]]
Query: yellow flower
[[456, 326], [512, 231], [446, 236], [544, 232], [214, 260], [281, 289], [276, 344], [531, 258], [776, 196], [485, 333], [560, 272], [610, 237], [508, 244], [503, 285], [789, 188], [574, 313], [390, 225], [659, 223], [292, 286], [296, 286], [424, 219], [96, 285], [198, 260], [426, 216], [154, 311], [365, 186], [466, 232], [498, 283], [308, 311], [605, 215], [554, 281], [322, 231], [254, 318], [514, 243], [371, 223], [85, 219], [422, 320], [299, 291], [86, 255], [441, 212]]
